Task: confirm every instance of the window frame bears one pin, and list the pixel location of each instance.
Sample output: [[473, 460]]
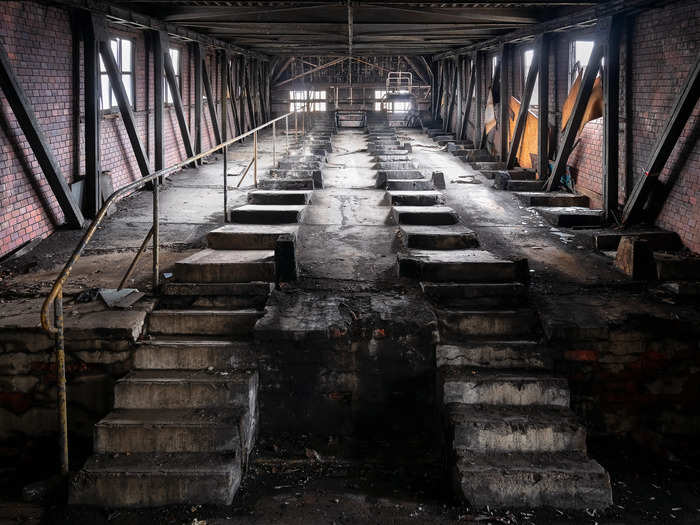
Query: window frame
[[572, 56], [317, 100], [168, 98], [534, 98], [130, 87]]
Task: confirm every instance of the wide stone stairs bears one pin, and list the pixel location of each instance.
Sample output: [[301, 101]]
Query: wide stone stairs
[[510, 438], [185, 418]]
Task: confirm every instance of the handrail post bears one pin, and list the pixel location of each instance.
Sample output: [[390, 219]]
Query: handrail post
[[156, 234], [274, 141], [286, 132], [255, 158], [225, 183], [61, 381]]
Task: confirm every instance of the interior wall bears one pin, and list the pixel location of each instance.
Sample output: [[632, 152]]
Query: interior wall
[[39, 42], [658, 51]]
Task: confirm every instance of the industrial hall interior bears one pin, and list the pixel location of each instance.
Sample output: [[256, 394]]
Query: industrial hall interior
[[349, 262]]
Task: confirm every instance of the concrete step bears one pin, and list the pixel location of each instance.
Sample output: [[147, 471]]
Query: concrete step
[[494, 354], [524, 185], [252, 290], [178, 353], [415, 198], [454, 237], [424, 215], [248, 236], [261, 214], [395, 165], [525, 480], [657, 240], [150, 480], [476, 295], [170, 389], [487, 429], [392, 158], [286, 184], [202, 322], [400, 174], [553, 199], [488, 165], [458, 324], [174, 430], [298, 174], [515, 174], [456, 266], [410, 185], [226, 266], [434, 132], [284, 197], [571, 216], [470, 386], [295, 165]]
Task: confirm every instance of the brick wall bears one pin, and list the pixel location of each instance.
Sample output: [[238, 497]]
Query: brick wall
[[39, 42], [659, 48]]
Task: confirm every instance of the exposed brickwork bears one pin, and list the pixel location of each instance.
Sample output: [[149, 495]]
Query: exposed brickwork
[[39, 42]]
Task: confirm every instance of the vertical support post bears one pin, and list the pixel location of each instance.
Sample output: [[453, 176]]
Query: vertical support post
[[286, 132], [93, 197], [468, 103], [159, 100], [61, 381], [611, 117], [255, 158], [478, 132], [224, 127], [504, 109], [543, 101], [274, 143], [156, 234], [211, 103], [197, 53]]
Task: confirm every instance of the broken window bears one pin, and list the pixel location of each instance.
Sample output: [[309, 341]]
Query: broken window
[[175, 57], [303, 100], [379, 95], [580, 56], [123, 50]]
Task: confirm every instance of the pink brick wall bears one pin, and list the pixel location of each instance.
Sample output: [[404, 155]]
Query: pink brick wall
[[39, 42]]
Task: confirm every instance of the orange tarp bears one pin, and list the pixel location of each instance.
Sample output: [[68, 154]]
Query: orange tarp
[[594, 108]]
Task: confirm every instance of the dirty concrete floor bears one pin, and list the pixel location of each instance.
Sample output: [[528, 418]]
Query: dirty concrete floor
[[346, 239]]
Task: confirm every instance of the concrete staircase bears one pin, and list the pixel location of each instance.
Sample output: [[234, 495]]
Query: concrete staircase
[[185, 418], [509, 436]]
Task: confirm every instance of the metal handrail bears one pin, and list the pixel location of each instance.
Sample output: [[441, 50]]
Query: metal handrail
[[55, 297]]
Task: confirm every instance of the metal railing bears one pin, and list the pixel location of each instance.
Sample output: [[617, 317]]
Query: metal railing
[[55, 297]]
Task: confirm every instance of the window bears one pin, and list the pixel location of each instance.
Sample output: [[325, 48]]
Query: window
[[400, 106], [494, 66], [580, 56], [313, 100], [378, 96], [527, 63], [122, 50], [175, 57]]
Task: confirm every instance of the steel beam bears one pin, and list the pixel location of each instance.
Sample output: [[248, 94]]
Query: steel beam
[[197, 56], [543, 102], [503, 64], [177, 102], [611, 117], [92, 196]]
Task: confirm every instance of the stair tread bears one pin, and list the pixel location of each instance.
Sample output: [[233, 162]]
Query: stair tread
[[257, 228], [185, 463], [538, 415], [271, 207], [244, 311], [528, 461], [174, 417], [473, 374], [453, 256], [185, 376], [169, 341], [209, 256]]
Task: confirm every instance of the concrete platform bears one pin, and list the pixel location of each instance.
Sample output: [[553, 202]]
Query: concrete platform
[[248, 236], [454, 237], [571, 216], [456, 266], [424, 215], [226, 266], [553, 199], [263, 214]]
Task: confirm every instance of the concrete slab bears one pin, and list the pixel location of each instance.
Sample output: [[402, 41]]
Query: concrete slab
[[501, 355], [451, 237], [457, 325], [285, 184], [409, 185], [424, 215], [553, 199], [226, 266], [477, 295], [203, 322], [571, 216], [168, 353], [268, 214], [348, 207], [248, 236], [415, 198], [456, 266]]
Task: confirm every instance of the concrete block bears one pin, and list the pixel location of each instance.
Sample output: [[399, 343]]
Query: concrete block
[[248, 236], [635, 259], [261, 214], [285, 258], [456, 237], [657, 240], [571, 216], [226, 266], [671, 267], [415, 198], [409, 185], [194, 354], [438, 179], [283, 197], [502, 355], [457, 324], [202, 322], [424, 215], [487, 295], [455, 266], [553, 199]]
